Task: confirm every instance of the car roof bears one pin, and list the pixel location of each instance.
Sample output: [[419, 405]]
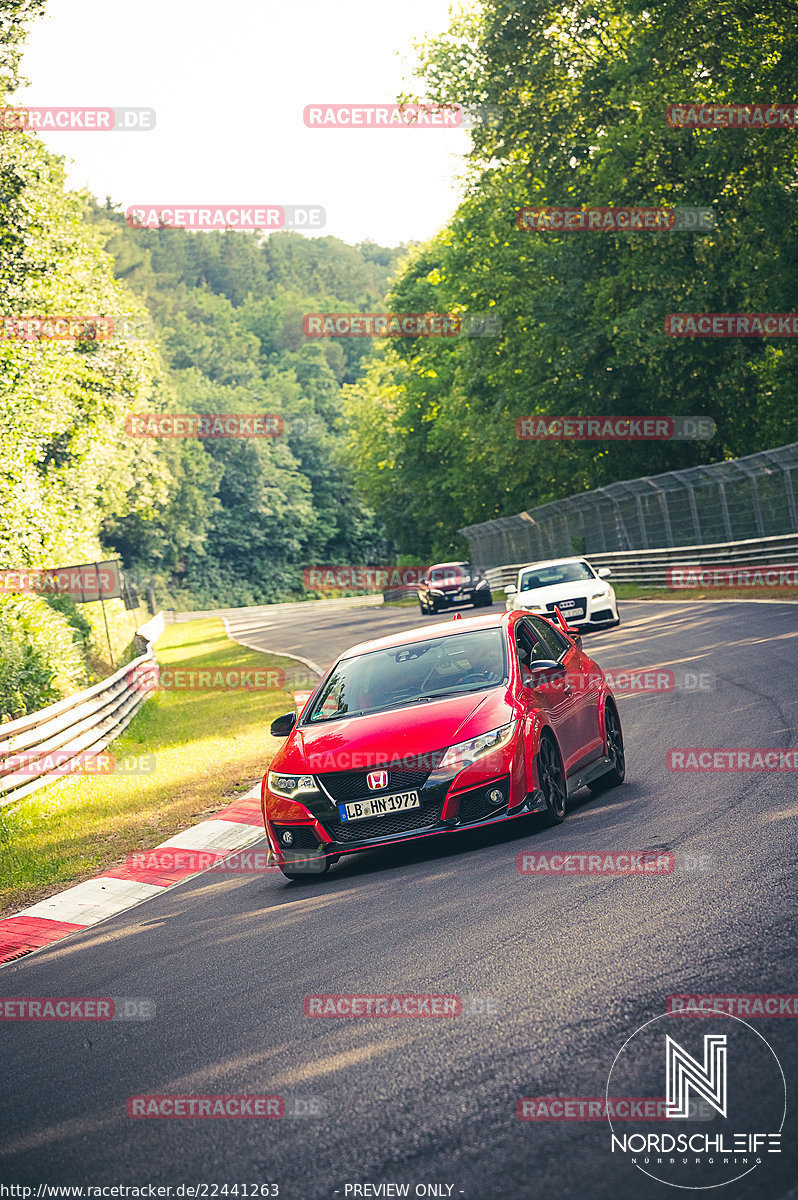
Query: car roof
[[423, 633]]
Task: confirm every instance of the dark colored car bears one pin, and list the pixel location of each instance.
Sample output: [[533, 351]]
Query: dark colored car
[[449, 585], [437, 730]]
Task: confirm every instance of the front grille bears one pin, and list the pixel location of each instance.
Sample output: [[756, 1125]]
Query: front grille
[[579, 602], [305, 837], [377, 827], [474, 806], [344, 786]]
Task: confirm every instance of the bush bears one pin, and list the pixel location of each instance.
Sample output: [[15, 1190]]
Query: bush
[[78, 622], [40, 660]]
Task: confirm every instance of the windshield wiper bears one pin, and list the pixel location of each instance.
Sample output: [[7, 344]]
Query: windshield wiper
[[450, 692]]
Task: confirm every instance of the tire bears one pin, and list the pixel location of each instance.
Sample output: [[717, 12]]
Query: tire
[[617, 772], [551, 780]]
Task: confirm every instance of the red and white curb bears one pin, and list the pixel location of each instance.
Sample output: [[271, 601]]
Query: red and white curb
[[79, 907], [120, 888]]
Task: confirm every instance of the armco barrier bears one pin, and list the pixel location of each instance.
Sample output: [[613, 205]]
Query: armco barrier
[[83, 724], [649, 567]]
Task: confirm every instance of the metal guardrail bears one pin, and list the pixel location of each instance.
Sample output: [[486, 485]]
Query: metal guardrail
[[649, 567], [81, 725], [400, 593]]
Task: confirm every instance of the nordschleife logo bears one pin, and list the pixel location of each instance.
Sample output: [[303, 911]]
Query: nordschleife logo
[[725, 1101]]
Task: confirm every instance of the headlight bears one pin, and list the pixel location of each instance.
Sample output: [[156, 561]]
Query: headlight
[[464, 753], [290, 785], [483, 583]]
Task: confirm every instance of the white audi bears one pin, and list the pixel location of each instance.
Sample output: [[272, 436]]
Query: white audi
[[582, 594]]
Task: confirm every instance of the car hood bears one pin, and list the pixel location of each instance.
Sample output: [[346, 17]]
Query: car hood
[[563, 591], [364, 742]]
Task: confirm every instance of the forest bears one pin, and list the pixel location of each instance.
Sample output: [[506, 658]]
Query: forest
[[389, 445]]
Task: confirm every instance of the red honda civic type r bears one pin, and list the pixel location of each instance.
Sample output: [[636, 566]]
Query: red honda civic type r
[[438, 730]]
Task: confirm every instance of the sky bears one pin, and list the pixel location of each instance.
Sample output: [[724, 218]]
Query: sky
[[229, 84]]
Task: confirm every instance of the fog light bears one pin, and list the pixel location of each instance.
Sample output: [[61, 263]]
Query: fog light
[[496, 796], [287, 837]]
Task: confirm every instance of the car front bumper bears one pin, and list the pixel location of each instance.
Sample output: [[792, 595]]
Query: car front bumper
[[314, 862], [602, 614], [448, 803]]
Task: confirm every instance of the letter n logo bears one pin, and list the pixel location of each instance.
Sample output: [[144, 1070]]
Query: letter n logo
[[684, 1072]]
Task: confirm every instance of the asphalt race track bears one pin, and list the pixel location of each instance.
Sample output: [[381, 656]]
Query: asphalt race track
[[555, 972]]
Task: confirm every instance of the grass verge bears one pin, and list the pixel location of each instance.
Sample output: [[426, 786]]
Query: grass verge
[[633, 591], [203, 749]]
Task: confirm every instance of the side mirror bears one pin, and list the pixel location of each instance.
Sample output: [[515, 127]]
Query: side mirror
[[546, 670], [282, 726], [511, 590], [576, 637], [604, 572]]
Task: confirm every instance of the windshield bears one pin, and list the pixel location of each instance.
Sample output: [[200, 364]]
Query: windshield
[[414, 672], [543, 577], [453, 574]]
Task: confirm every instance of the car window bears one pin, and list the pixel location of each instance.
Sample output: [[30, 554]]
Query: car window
[[451, 574], [385, 679], [530, 648], [556, 642]]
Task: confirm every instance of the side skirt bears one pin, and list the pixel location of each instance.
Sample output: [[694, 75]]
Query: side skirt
[[588, 774]]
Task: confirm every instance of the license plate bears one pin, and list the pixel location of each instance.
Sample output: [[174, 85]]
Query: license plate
[[379, 806]]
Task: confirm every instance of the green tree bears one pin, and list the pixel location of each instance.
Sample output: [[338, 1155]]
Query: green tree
[[582, 93]]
